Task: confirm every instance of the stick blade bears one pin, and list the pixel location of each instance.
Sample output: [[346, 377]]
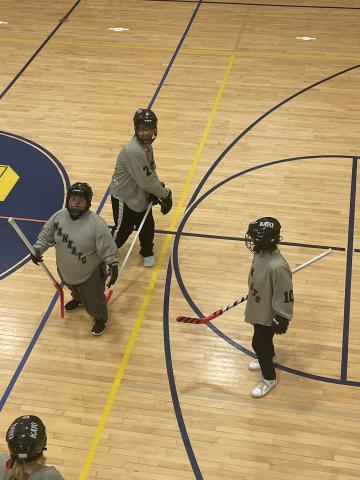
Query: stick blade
[[189, 320]]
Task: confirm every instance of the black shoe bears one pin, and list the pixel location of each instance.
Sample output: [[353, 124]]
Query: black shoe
[[72, 305], [99, 326]]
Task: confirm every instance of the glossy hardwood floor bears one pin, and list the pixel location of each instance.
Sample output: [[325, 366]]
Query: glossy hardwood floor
[[269, 122]]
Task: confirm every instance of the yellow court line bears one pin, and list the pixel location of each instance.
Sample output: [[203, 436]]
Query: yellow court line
[[243, 53], [148, 294]]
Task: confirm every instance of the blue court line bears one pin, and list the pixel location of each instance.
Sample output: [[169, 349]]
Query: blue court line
[[21, 365], [175, 53], [18, 75], [258, 120], [28, 351], [349, 257], [190, 302], [171, 378]]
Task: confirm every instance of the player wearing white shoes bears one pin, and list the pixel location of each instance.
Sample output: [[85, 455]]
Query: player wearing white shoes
[[269, 307], [135, 183]]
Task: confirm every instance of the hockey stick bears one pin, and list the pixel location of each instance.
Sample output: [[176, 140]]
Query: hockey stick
[[42, 265], [244, 298], [112, 287]]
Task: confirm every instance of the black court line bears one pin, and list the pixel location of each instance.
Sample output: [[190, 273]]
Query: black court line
[[20, 72], [242, 239], [172, 385], [260, 119], [348, 275], [335, 7]]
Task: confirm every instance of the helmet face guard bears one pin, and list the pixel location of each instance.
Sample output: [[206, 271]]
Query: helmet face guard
[[26, 439], [263, 234], [79, 189], [145, 125]]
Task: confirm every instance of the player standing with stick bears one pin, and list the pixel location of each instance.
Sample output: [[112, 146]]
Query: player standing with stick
[[135, 184], [269, 307], [84, 246]]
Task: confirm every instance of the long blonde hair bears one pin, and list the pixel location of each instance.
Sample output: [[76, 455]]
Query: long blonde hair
[[21, 471]]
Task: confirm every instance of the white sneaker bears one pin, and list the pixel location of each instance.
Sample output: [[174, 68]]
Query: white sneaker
[[149, 261], [255, 365], [263, 388]]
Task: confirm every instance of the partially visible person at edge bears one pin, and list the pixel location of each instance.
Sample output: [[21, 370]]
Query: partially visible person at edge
[[135, 183], [269, 307], [84, 246], [26, 440]]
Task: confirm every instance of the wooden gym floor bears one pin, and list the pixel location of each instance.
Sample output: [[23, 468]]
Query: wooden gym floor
[[253, 121]]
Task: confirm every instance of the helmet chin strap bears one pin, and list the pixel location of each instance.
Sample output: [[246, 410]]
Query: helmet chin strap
[[76, 214]]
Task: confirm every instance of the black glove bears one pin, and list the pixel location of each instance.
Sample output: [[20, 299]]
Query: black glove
[[166, 203], [280, 324], [37, 258], [152, 198], [114, 273]]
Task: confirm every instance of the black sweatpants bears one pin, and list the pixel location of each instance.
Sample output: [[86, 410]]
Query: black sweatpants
[[126, 219], [262, 343]]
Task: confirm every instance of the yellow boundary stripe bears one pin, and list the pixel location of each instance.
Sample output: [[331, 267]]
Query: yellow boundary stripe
[[245, 53], [148, 294]]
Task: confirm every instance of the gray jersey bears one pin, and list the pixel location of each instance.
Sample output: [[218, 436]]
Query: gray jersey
[[135, 176], [270, 289], [44, 473], [81, 245]]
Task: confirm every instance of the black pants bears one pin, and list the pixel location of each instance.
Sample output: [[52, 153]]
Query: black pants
[[262, 343], [126, 219]]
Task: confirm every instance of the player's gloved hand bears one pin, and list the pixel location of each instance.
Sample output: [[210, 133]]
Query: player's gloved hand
[[166, 203], [280, 324], [114, 273], [154, 199], [37, 258]]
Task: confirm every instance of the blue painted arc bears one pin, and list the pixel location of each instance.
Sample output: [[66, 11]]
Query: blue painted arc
[[343, 380]]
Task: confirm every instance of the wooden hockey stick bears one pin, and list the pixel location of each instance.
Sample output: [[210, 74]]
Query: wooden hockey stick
[[42, 264], [112, 287], [243, 299]]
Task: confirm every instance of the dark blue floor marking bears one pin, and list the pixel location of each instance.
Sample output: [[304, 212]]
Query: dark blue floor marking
[[20, 204], [28, 351], [177, 408], [18, 75], [251, 126], [194, 307], [348, 276], [175, 53], [171, 378]]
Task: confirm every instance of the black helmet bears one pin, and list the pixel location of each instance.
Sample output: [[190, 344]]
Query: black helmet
[[145, 118], [82, 190], [263, 234], [26, 438]]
